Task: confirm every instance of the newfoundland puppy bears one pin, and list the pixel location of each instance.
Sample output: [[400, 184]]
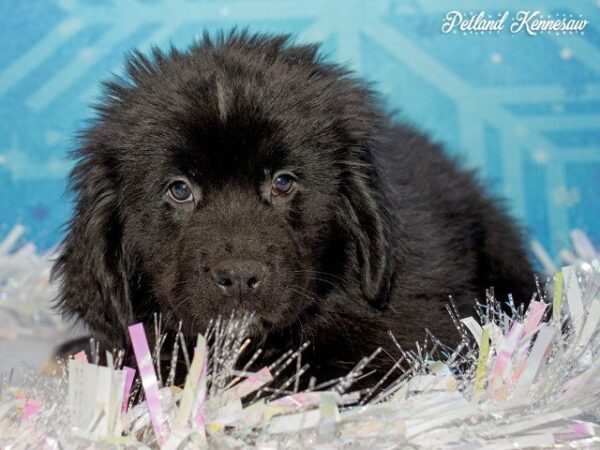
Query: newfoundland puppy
[[247, 174]]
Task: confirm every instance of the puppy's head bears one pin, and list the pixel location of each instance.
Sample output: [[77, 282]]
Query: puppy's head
[[236, 175]]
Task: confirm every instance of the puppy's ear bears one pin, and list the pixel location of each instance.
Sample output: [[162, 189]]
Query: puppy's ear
[[92, 268], [369, 225]]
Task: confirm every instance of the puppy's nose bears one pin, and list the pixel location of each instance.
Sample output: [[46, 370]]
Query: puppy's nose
[[239, 277]]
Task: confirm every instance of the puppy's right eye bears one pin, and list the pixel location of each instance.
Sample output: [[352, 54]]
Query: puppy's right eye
[[180, 192], [283, 184]]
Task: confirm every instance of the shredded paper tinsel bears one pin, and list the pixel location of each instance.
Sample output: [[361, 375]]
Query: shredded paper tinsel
[[519, 379]]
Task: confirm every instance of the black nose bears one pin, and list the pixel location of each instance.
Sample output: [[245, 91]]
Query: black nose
[[239, 277]]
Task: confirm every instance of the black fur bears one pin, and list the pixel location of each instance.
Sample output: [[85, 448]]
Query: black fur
[[381, 229]]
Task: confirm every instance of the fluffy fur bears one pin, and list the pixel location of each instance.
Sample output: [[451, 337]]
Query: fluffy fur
[[381, 228]]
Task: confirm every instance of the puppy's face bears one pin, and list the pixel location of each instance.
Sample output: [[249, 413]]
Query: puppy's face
[[229, 208], [235, 176]]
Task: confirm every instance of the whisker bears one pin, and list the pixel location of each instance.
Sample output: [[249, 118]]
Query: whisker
[[318, 272]]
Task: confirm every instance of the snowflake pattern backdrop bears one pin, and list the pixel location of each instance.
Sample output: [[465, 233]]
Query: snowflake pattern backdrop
[[524, 109]]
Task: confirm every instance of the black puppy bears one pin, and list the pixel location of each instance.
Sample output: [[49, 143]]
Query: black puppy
[[248, 174]]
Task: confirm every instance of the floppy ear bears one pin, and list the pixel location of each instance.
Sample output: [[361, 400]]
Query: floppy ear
[[92, 269], [368, 223]]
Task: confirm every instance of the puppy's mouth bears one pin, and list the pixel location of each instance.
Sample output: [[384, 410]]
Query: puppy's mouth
[[256, 331], [260, 327], [257, 327]]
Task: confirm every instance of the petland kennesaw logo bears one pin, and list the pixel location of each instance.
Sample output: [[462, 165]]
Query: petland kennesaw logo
[[530, 22]]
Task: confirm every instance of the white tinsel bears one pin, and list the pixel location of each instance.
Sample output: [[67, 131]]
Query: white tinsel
[[528, 379], [582, 253], [25, 290]]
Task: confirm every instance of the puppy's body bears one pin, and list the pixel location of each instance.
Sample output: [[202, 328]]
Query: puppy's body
[[246, 174], [451, 239]]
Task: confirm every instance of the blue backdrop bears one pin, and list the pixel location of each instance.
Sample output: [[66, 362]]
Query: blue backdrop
[[525, 109]]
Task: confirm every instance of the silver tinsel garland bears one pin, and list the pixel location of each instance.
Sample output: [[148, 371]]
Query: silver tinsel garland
[[528, 379]]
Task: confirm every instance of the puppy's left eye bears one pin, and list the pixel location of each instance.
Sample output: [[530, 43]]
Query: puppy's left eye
[[283, 184], [180, 192]]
